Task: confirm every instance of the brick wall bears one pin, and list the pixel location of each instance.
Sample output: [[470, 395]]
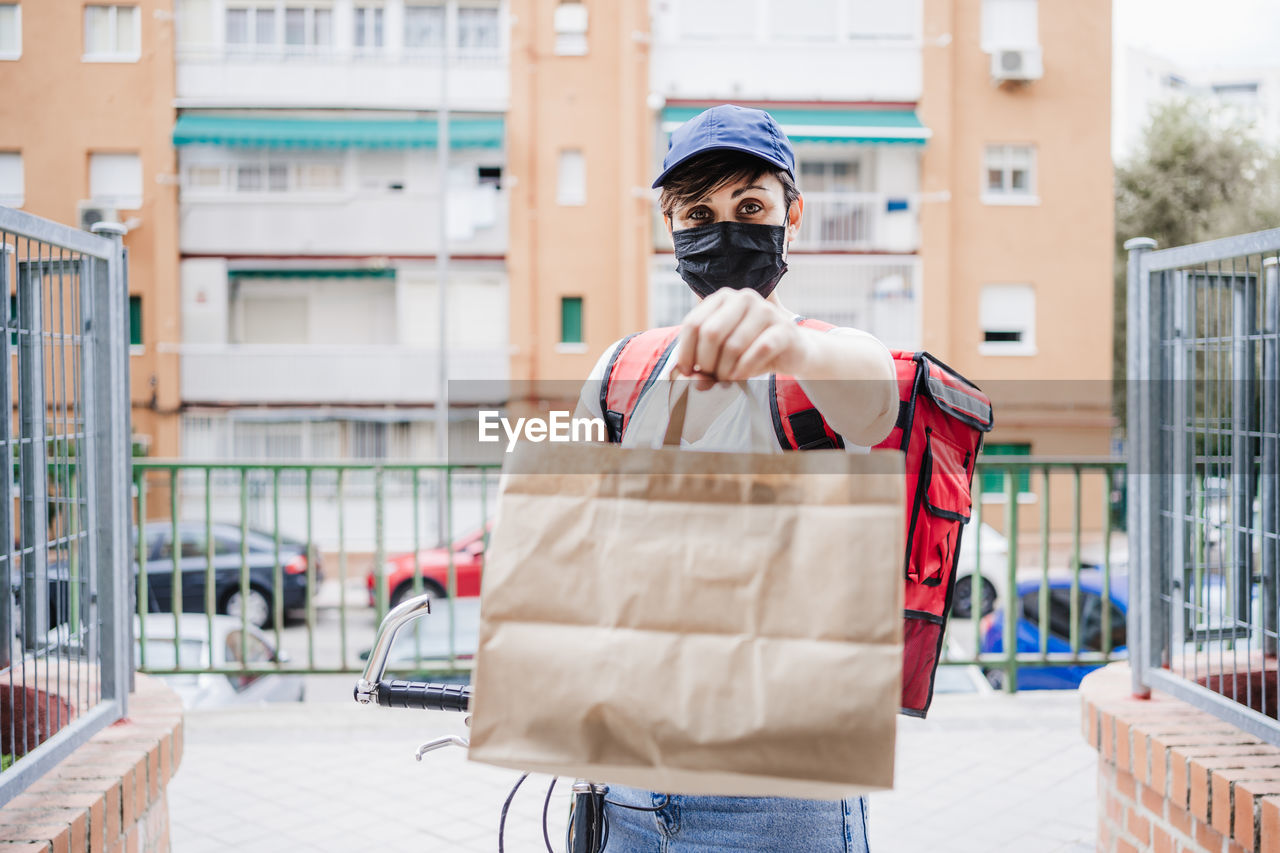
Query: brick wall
[[1172, 779], [108, 795]]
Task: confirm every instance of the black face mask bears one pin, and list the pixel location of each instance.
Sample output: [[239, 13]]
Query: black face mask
[[740, 255]]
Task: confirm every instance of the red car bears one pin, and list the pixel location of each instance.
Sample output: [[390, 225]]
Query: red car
[[468, 560]]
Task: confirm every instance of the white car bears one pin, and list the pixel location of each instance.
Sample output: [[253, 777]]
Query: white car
[[995, 558], [205, 690]]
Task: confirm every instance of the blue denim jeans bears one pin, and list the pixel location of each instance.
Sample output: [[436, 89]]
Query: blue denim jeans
[[705, 824]]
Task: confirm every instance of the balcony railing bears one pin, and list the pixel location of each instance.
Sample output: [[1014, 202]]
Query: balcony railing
[[328, 223], [863, 222], [310, 374], [876, 293], [326, 77], [845, 222]]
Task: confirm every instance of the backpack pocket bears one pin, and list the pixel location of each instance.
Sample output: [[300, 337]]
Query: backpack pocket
[[939, 510]]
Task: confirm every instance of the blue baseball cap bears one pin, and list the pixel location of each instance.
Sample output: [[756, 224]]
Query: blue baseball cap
[[729, 127]]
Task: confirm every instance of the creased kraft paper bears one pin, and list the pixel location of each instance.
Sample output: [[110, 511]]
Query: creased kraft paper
[[694, 623]]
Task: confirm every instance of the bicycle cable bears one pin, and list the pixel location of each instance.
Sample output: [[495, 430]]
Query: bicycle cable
[[546, 805], [502, 820]]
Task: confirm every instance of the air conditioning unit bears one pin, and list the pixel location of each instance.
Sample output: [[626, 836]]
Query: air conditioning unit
[[91, 213], [1020, 64]]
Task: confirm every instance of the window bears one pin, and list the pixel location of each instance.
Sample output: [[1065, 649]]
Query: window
[[317, 176], [204, 177], [1009, 175], [719, 20], [571, 178], [1089, 617], [424, 27], [12, 182], [1007, 317], [10, 31], [803, 20], [319, 173], [308, 26], [191, 545], [255, 653], [823, 176], [369, 27], [571, 28], [115, 180], [135, 322], [111, 33], [257, 178], [477, 28], [250, 25], [1010, 24], [368, 440], [571, 320], [993, 481]]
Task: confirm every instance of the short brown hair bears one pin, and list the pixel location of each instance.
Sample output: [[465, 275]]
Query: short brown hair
[[703, 175]]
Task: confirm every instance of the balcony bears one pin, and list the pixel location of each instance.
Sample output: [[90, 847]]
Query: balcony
[[283, 374], [288, 77], [880, 70], [341, 223], [876, 293], [858, 222]]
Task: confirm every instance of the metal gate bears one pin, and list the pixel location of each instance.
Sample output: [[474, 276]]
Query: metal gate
[[1204, 512], [65, 628]]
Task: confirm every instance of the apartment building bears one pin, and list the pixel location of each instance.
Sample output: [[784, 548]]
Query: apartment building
[[98, 149], [308, 143], [1143, 80], [953, 154]]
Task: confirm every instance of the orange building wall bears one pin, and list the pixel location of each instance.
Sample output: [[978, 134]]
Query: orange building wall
[[599, 251], [1063, 246], [121, 107]]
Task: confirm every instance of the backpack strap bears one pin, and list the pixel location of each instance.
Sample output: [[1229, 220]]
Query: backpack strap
[[797, 422], [632, 370]]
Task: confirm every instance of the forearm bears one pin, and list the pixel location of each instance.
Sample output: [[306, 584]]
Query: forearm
[[852, 381]]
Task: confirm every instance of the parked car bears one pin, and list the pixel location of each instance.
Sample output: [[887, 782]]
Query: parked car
[[468, 561], [227, 595], [995, 554], [205, 690], [1089, 632]]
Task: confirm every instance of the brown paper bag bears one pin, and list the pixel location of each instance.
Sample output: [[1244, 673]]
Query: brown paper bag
[[693, 622]]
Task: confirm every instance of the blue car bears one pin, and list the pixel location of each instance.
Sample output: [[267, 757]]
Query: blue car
[[1058, 623]]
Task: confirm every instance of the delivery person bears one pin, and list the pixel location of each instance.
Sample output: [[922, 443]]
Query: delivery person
[[730, 203]]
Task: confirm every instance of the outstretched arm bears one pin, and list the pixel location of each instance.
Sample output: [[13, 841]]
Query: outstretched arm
[[736, 334]]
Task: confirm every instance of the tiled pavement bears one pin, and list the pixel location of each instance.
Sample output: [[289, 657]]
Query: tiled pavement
[[983, 773]]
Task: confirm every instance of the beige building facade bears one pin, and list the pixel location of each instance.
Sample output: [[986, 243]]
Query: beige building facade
[[85, 130], [954, 156]]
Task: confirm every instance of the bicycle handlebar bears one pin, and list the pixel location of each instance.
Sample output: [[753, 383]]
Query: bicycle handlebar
[[423, 695]]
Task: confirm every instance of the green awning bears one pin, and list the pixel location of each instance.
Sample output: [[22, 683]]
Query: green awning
[[865, 127], [253, 132]]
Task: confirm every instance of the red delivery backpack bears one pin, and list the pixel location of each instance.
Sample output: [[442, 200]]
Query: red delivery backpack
[[941, 420]]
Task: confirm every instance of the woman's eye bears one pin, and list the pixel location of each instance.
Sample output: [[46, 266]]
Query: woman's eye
[[751, 208], [697, 213]]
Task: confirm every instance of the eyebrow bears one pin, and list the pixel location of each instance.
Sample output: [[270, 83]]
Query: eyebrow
[[736, 193]]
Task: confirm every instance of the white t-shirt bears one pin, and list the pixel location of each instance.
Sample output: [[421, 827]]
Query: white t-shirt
[[729, 417]]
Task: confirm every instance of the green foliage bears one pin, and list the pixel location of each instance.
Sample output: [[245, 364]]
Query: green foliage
[[1199, 173]]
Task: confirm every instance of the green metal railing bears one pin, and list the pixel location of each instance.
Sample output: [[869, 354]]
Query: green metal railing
[[355, 513], [1007, 661], [222, 498]]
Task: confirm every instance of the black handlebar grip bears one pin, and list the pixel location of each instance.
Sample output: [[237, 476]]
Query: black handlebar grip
[[423, 695]]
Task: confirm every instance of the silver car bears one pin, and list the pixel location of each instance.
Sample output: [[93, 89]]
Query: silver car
[[209, 690]]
